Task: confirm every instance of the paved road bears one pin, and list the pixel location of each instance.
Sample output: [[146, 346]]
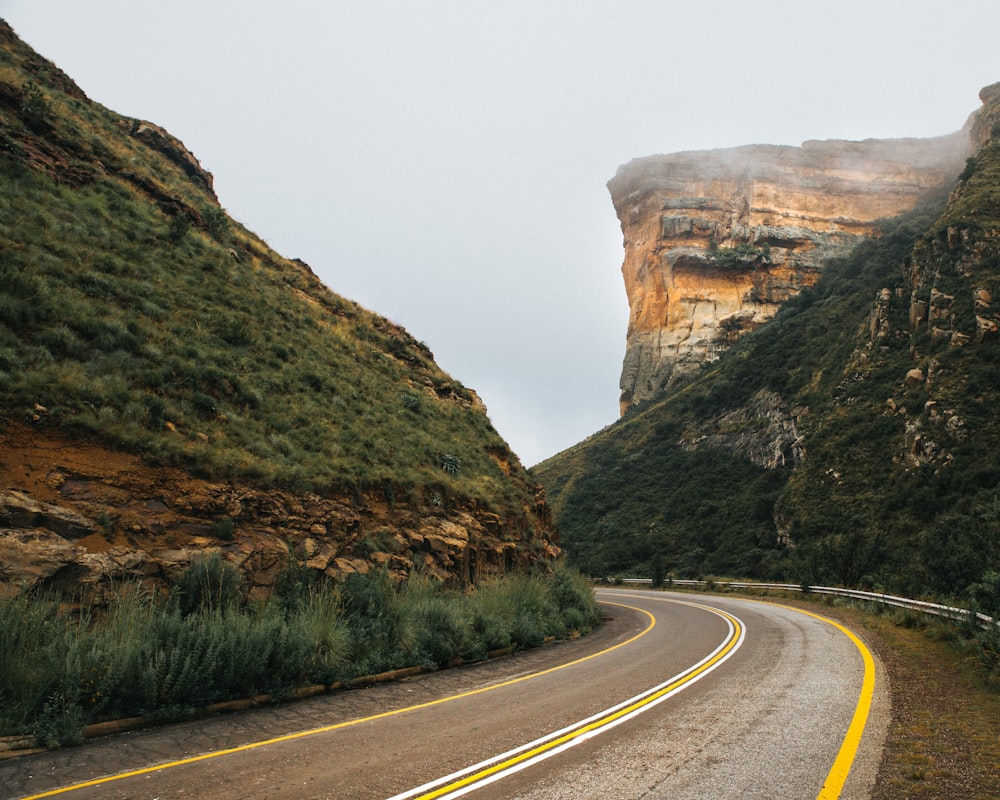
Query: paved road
[[740, 700]]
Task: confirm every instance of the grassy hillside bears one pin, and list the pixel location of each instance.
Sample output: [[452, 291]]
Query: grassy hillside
[[133, 308], [892, 478]]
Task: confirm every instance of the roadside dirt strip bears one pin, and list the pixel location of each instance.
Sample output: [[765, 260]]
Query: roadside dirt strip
[[680, 696]]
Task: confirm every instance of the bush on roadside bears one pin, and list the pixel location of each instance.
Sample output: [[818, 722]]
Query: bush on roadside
[[61, 670]]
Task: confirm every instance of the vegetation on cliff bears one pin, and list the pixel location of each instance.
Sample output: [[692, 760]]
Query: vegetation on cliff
[[131, 306], [884, 379], [135, 312]]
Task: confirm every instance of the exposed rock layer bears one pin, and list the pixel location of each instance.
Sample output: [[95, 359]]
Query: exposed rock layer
[[77, 517], [715, 241]]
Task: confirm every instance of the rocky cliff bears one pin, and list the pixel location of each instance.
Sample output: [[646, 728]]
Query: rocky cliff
[[715, 241]]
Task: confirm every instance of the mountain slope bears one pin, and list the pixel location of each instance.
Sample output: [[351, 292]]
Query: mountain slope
[[136, 316], [852, 439]]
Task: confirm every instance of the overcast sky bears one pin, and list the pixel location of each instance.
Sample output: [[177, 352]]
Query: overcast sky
[[444, 162]]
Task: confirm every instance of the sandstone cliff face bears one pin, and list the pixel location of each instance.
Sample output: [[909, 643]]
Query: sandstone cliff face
[[715, 241]]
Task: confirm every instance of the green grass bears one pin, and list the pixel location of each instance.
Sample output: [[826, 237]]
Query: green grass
[[288, 388], [132, 308], [60, 671]]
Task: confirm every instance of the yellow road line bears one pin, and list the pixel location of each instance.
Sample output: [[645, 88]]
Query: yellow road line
[[337, 726], [837, 777], [590, 727]]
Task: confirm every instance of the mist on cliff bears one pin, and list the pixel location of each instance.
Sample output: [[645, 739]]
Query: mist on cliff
[[444, 163]]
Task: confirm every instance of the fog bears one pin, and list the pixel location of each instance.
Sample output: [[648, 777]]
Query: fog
[[444, 163]]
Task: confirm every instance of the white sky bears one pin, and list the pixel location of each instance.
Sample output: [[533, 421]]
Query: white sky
[[444, 162]]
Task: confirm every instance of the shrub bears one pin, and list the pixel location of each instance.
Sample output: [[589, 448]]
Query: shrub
[[58, 673], [178, 228], [224, 528], [574, 595], [442, 629], [209, 584], [985, 597], [323, 624], [657, 570], [381, 632], [217, 223], [34, 638], [295, 586], [536, 612], [491, 615], [35, 109]]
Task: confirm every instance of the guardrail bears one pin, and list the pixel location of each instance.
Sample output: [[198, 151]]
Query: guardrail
[[949, 612]]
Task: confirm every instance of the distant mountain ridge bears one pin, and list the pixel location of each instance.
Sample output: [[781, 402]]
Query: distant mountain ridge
[[851, 438], [170, 385]]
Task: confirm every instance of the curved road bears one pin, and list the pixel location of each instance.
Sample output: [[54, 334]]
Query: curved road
[[679, 696]]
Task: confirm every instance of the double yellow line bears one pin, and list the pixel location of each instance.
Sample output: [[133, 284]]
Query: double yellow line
[[501, 766], [836, 778]]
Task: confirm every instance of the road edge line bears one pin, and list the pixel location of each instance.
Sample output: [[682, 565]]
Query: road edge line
[[836, 778]]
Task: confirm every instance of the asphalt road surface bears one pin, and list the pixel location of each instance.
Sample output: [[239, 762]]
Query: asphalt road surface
[[675, 696]]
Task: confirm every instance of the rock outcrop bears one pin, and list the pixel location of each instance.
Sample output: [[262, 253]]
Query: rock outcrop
[[715, 241], [78, 518], [765, 432], [174, 149]]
